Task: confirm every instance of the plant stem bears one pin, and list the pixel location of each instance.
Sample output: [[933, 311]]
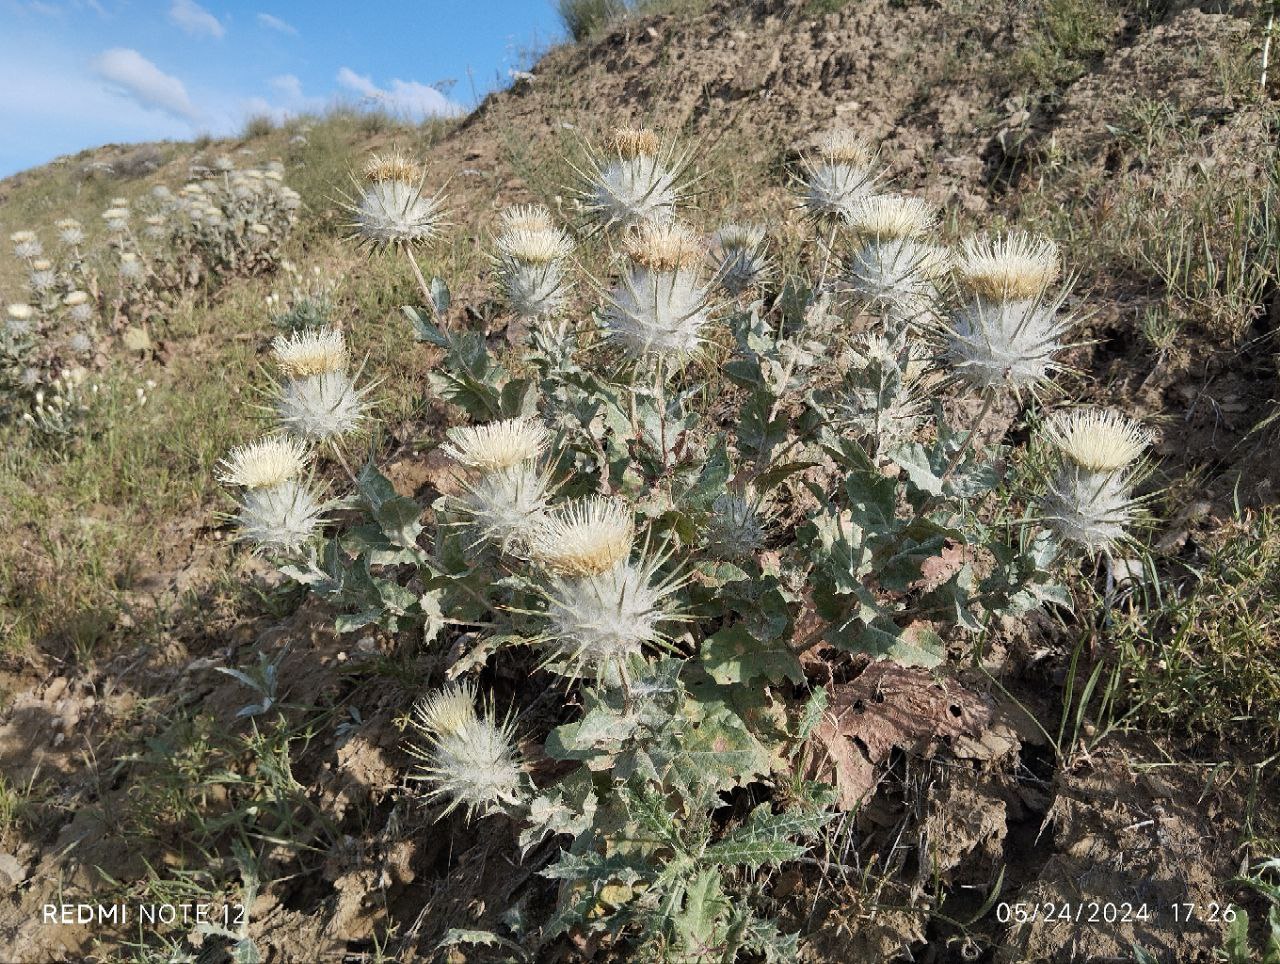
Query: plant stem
[[989, 399], [337, 453], [422, 283]]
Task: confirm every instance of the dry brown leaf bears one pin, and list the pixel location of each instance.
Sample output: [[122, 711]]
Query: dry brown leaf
[[890, 706]]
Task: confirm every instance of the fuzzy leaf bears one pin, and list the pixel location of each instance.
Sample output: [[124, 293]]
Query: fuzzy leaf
[[753, 854], [396, 516], [914, 646], [733, 655]]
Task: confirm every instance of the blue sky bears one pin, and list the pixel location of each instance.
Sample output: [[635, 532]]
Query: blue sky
[[77, 73]]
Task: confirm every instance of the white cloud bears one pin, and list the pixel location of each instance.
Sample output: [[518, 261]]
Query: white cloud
[[275, 23], [406, 97], [195, 19], [287, 85], [138, 78], [45, 9]]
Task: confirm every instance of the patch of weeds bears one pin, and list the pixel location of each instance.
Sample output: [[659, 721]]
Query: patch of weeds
[[1065, 37], [1208, 645]]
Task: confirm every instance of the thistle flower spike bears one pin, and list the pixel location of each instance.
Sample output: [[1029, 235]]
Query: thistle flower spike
[[890, 217], [840, 172], [585, 538], [264, 463], [497, 445], [1098, 441], [316, 351], [469, 757], [634, 182], [1012, 267], [393, 209]]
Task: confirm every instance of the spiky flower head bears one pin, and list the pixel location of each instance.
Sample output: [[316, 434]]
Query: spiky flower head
[[322, 406], [598, 623], [20, 312], [740, 260], [897, 277], [1097, 441], [585, 538], [661, 303], [265, 463], [842, 146], [497, 445], [1091, 509], [890, 217], [469, 757], [736, 528], [132, 270], [636, 181], [1006, 344], [396, 212], [840, 172], [70, 232], [394, 165], [1012, 267], [530, 269], [526, 217], [505, 507], [42, 277], [284, 516], [313, 351], [117, 219], [26, 244]]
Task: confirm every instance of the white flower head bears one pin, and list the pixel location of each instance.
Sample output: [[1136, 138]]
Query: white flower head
[[497, 445], [840, 172], [1013, 344], [890, 217], [1098, 441], [598, 623], [26, 245], [20, 312], [526, 217], [393, 208], [314, 351], [469, 757], [132, 270], [117, 219], [897, 277], [1091, 509], [635, 182], [530, 269], [1012, 267], [506, 507], [661, 303], [740, 260], [265, 463], [322, 406], [587, 537], [42, 277], [284, 516], [70, 232]]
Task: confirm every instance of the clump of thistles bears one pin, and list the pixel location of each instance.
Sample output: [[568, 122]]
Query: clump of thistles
[[392, 207], [470, 758], [530, 262], [1005, 329], [840, 171], [635, 180], [602, 608], [26, 245], [277, 508], [892, 270], [318, 398], [505, 488], [1090, 499], [661, 303], [739, 257]]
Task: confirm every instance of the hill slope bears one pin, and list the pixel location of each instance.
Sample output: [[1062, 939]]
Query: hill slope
[[1137, 134]]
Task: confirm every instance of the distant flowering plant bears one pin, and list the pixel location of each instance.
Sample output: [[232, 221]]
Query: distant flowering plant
[[688, 456]]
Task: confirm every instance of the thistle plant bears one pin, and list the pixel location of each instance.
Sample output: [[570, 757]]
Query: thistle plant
[[839, 172], [469, 758], [1006, 329], [893, 271], [504, 488], [278, 508], [666, 541], [530, 262], [661, 303], [739, 257], [634, 181], [318, 397], [1090, 499]]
